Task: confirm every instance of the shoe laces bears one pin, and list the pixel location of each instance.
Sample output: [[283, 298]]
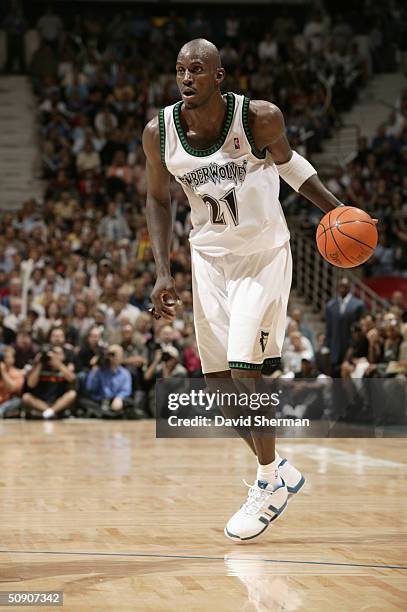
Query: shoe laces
[[255, 499]]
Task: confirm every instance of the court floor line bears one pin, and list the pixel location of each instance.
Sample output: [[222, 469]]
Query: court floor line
[[204, 557]]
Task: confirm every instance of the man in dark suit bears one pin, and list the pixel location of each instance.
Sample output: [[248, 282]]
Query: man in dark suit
[[340, 313]]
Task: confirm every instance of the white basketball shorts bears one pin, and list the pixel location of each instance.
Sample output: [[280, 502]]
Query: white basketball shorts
[[240, 307]]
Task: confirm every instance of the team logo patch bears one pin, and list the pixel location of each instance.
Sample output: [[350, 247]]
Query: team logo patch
[[263, 340], [237, 143]]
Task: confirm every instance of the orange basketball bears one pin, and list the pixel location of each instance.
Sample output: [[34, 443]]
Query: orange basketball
[[346, 236]]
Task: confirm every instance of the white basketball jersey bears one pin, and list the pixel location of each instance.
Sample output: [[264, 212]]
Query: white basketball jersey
[[232, 187]]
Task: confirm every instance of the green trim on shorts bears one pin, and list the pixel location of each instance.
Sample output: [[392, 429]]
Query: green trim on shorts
[[242, 365], [161, 125]]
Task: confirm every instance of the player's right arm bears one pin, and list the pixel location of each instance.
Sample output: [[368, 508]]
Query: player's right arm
[[159, 220]]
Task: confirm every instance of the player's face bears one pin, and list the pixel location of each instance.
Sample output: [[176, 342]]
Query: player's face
[[197, 80]]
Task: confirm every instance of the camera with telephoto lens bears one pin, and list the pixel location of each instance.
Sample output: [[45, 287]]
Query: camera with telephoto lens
[[44, 354], [104, 357]]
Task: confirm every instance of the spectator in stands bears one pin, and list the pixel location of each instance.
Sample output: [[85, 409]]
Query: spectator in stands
[[356, 359], [384, 346], [13, 319], [340, 313], [11, 384], [14, 291], [303, 327], [142, 335], [294, 327], [50, 383], [88, 158], [392, 340], [81, 321], [50, 27], [294, 351], [127, 309], [51, 318], [132, 357], [57, 338], [168, 336], [267, 49], [90, 348], [397, 299], [119, 174], [113, 226], [109, 384], [139, 296], [165, 365], [382, 260], [316, 30], [25, 349]]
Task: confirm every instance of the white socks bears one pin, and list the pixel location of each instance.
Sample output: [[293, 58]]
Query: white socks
[[270, 473]]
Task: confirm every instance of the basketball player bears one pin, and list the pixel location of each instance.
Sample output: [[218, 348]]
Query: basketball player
[[229, 153]]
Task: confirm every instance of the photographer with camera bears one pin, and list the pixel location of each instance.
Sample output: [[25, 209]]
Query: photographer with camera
[[108, 385], [50, 382], [165, 364], [89, 349], [11, 384]]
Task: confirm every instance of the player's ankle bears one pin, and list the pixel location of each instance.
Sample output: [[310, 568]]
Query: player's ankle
[[269, 473]]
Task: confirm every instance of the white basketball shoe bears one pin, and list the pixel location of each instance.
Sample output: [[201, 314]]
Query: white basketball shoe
[[291, 476], [264, 504]]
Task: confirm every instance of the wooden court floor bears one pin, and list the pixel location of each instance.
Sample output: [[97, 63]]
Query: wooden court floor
[[121, 521]]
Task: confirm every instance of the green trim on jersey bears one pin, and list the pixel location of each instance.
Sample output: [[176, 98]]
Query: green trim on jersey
[[161, 125], [245, 116], [230, 109]]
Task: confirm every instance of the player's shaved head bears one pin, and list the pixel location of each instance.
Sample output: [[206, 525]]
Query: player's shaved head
[[199, 73], [201, 49]]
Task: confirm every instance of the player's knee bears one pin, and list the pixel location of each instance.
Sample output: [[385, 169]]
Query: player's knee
[[245, 379]]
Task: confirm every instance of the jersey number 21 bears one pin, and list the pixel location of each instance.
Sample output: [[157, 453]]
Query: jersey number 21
[[217, 216]]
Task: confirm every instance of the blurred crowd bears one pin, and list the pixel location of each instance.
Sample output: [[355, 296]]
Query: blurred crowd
[[375, 179], [367, 352], [77, 269]]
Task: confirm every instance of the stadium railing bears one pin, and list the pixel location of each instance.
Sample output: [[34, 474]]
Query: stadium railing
[[316, 280]]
